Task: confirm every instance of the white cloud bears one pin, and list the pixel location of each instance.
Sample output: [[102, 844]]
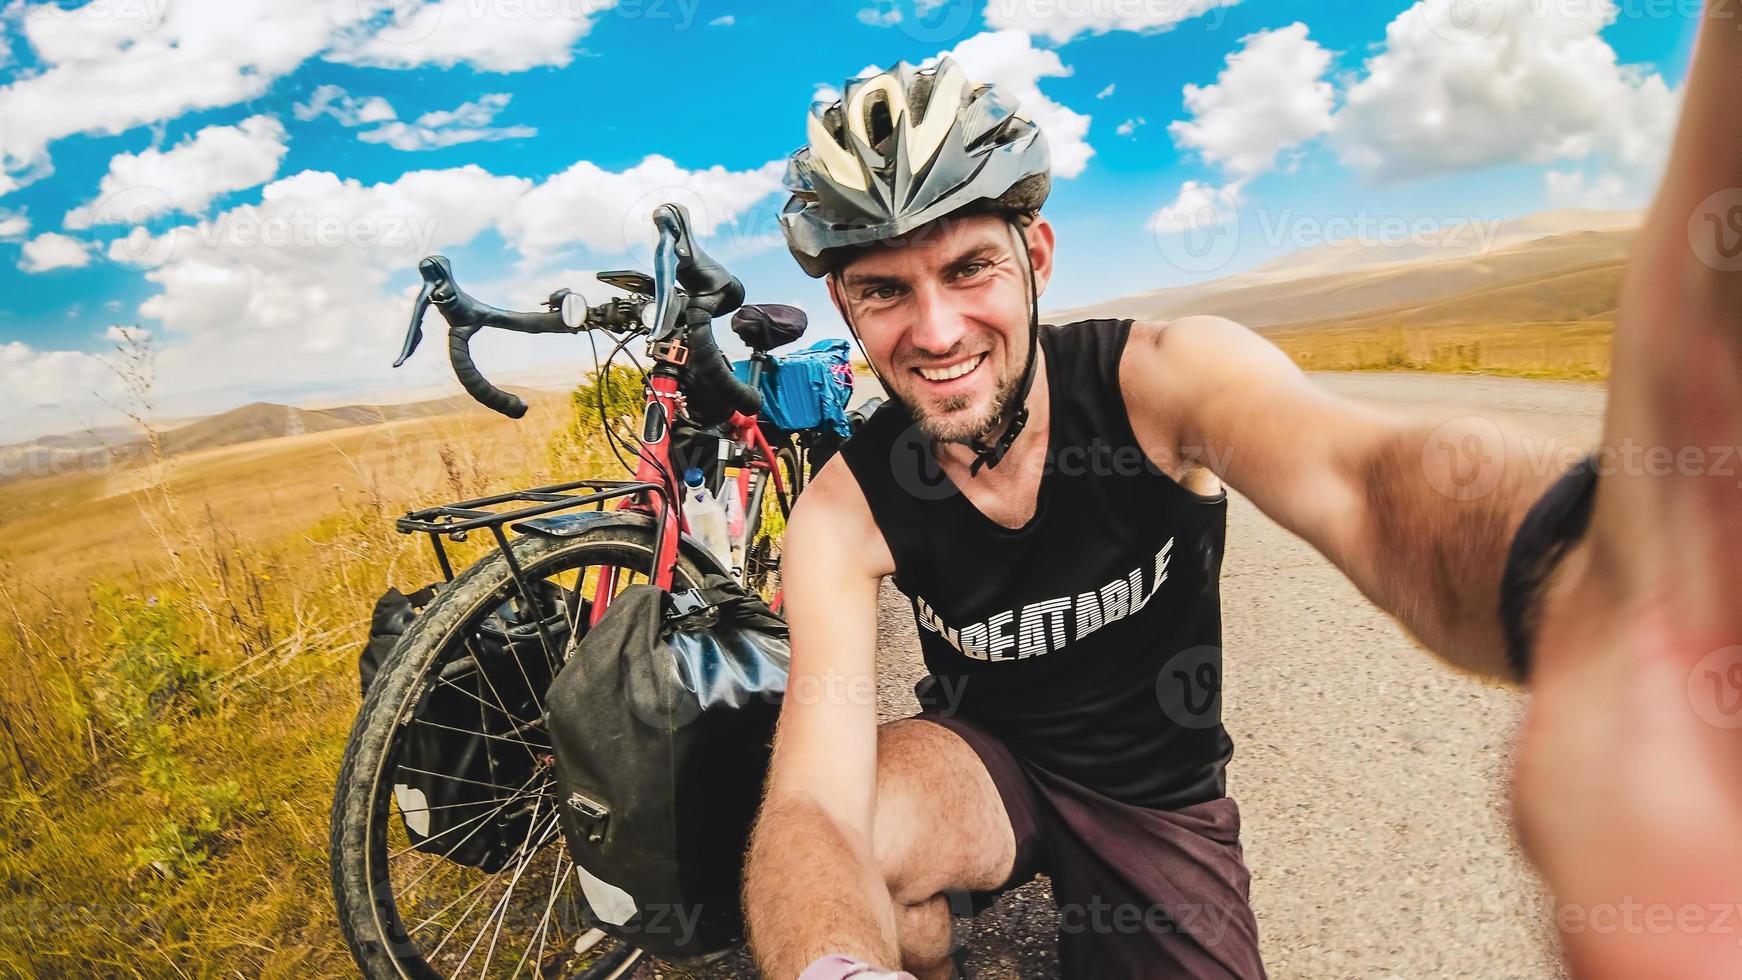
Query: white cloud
[[13, 224], [331, 100], [107, 67], [51, 251], [315, 281], [1010, 60], [502, 37], [107, 74], [1106, 91], [1129, 126], [45, 390], [1603, 191], [611, 211], [724, 20], [1199, 207], [1064, 19], [467, 123], [1522, 83], [880, 15], [1270, 96], [187, 177]]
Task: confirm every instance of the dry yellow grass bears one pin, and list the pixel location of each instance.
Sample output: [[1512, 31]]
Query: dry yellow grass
[[180, 647], [1572, 350]]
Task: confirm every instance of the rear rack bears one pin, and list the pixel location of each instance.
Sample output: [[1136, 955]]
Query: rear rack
[[453, 521]]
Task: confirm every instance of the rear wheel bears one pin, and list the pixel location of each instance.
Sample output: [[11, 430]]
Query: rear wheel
[[406, 909]]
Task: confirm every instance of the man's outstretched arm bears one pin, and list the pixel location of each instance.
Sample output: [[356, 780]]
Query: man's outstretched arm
[[812, 886], [1629, 780], [1418, 513]]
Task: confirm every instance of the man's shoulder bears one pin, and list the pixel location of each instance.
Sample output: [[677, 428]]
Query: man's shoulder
[[833, 509]]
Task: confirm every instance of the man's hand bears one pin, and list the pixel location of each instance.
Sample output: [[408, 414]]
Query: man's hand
[[1629, 781]]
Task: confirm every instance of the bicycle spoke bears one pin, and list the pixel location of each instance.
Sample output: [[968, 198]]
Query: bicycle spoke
[[556, 885], [519, 795], [499, 706], [458, 779], [501, 904], [529, 746]]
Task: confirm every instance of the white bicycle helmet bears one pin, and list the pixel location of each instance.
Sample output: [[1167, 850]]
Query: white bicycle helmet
[[905, 147]]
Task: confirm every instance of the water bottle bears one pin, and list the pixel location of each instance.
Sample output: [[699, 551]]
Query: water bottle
[[733, 505], [706, 518]]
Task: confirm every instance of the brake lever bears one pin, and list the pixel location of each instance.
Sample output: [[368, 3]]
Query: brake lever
[[436, 272], [666, 309]]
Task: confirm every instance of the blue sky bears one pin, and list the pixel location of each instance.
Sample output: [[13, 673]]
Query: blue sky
[[251, 181]]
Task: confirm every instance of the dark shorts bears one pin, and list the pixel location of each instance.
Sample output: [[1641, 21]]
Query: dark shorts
[[1140, 892]]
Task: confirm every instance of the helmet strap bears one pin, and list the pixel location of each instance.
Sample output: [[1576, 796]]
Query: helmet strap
[[1015, 409]]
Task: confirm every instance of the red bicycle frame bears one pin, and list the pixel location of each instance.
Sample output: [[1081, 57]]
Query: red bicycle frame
[[654, 450]]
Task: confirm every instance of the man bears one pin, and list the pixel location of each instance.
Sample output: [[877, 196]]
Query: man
[[1051, 501]]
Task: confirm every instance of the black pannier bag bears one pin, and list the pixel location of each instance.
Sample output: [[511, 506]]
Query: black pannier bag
[[460, 759], [662, 723]]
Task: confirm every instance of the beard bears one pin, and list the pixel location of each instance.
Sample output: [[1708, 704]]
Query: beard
[[946, 420]]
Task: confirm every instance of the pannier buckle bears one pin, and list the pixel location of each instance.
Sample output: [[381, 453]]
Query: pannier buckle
[[684, 603], [592, 815]]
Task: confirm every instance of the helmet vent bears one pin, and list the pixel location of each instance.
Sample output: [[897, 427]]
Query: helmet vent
[[878, 123]]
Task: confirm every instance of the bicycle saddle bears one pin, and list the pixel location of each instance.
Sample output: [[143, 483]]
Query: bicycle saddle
[[765, 326]]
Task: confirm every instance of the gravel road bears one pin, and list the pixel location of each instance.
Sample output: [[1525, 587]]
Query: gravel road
[[1372, 780]]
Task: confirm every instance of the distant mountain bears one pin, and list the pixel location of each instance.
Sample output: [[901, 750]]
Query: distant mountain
[[65, 453], [1454, 240], [1262, 300], [264, 420]]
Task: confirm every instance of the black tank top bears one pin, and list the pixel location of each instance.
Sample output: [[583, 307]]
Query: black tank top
[[1089, 640]]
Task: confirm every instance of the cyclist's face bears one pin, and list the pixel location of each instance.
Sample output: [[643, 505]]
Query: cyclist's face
[[943, 315]]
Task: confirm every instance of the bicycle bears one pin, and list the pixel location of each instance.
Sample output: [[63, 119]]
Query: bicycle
[[495, 633]]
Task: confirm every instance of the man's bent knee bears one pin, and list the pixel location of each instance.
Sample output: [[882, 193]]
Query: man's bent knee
[[939, 823]]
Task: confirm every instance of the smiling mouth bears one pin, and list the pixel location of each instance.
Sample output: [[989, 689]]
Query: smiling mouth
[[951, 372]]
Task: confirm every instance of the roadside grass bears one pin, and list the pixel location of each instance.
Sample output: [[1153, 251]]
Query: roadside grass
[[179, 644], [1577, 350]]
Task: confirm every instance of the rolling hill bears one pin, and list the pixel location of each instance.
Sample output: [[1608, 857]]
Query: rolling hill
[[1261, 301], [57, 454]]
